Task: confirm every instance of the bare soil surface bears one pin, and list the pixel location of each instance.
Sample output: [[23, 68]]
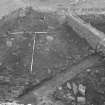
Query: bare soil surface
[[48, 87], [29, 58], [38, 54]]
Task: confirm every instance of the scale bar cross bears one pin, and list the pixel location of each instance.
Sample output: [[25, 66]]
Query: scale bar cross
[[34, 43]]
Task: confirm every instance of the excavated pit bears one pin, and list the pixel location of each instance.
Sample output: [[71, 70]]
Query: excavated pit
[[30, 61]]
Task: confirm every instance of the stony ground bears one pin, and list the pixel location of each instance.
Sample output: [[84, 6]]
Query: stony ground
[[58, 56], [27, 58], [86, 88]]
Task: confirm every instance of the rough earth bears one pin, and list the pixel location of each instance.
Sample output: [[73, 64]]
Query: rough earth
[[86, 88], [38, 53], [53, 52]]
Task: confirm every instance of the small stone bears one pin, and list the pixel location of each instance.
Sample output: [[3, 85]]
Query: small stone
[[64, 96], [75, 88], [69, 57], [9, 43], [8, 67], [22, 13], [92, 51], [103, 79], [37, 80], [58, 103], [70, 97], [29, 45], [82, 89], [5, 35], [69, 85], [12, 38], [97, 71], [47, 49], [88, 70], [14, 53], [49, 71], [55, 51], [0, 63], [26, 83], [81, 100], [1, 77], [7, 79], [77, 57], [29, 104], [17, 63], [49, 38], [50, 27], [60, 88]]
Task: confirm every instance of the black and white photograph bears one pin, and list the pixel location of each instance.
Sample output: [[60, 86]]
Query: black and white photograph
[[52, 52]]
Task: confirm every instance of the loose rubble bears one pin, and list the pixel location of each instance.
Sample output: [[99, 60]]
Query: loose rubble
[[87, 88]]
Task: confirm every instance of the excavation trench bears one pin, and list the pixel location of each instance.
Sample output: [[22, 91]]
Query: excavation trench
[[36, 64], [96, 20], [90, 58]]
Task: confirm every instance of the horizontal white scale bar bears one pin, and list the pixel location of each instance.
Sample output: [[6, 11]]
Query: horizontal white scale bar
[[28, 32]]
